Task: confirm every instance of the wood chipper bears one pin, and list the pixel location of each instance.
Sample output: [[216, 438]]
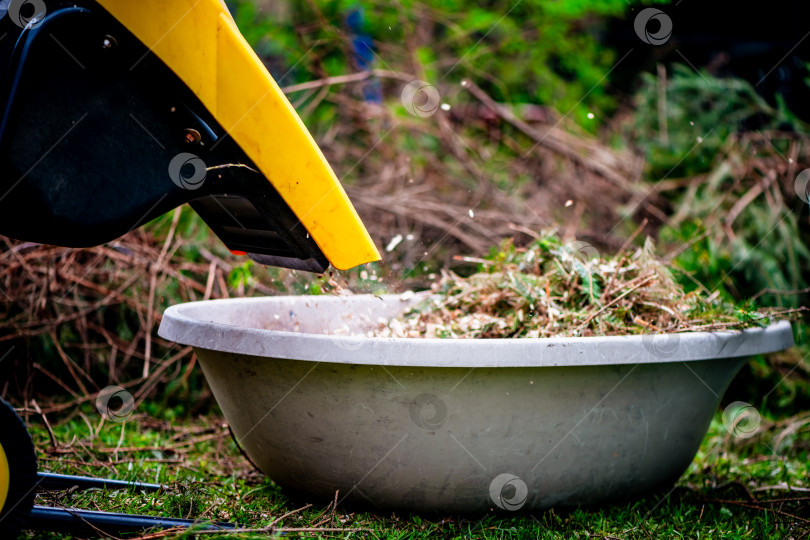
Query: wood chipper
[[115, 112]]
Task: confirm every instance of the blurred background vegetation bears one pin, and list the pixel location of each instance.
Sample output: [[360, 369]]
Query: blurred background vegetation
[[548, 114]]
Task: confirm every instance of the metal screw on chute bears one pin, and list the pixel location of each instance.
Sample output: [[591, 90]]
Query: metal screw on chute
[[109, 42], [192, 136]]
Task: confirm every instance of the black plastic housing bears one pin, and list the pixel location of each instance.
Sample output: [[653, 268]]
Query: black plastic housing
[[98, 136]]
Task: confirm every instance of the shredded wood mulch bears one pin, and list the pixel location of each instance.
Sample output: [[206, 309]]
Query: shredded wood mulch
[[553, 288]]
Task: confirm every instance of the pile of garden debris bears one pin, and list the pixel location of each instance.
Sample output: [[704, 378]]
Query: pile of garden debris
[[553, 288]]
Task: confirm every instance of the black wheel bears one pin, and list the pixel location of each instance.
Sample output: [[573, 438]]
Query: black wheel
[[18, 472]]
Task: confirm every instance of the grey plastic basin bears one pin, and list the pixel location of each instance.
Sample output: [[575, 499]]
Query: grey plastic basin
[[457, 425]]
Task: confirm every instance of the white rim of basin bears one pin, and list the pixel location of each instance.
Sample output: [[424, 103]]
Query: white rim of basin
[[194, 323]]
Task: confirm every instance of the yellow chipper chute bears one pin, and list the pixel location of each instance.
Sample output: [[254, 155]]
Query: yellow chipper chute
[[117, 111]]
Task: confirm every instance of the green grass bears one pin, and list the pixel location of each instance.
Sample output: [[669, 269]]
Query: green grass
[[209, 480]]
